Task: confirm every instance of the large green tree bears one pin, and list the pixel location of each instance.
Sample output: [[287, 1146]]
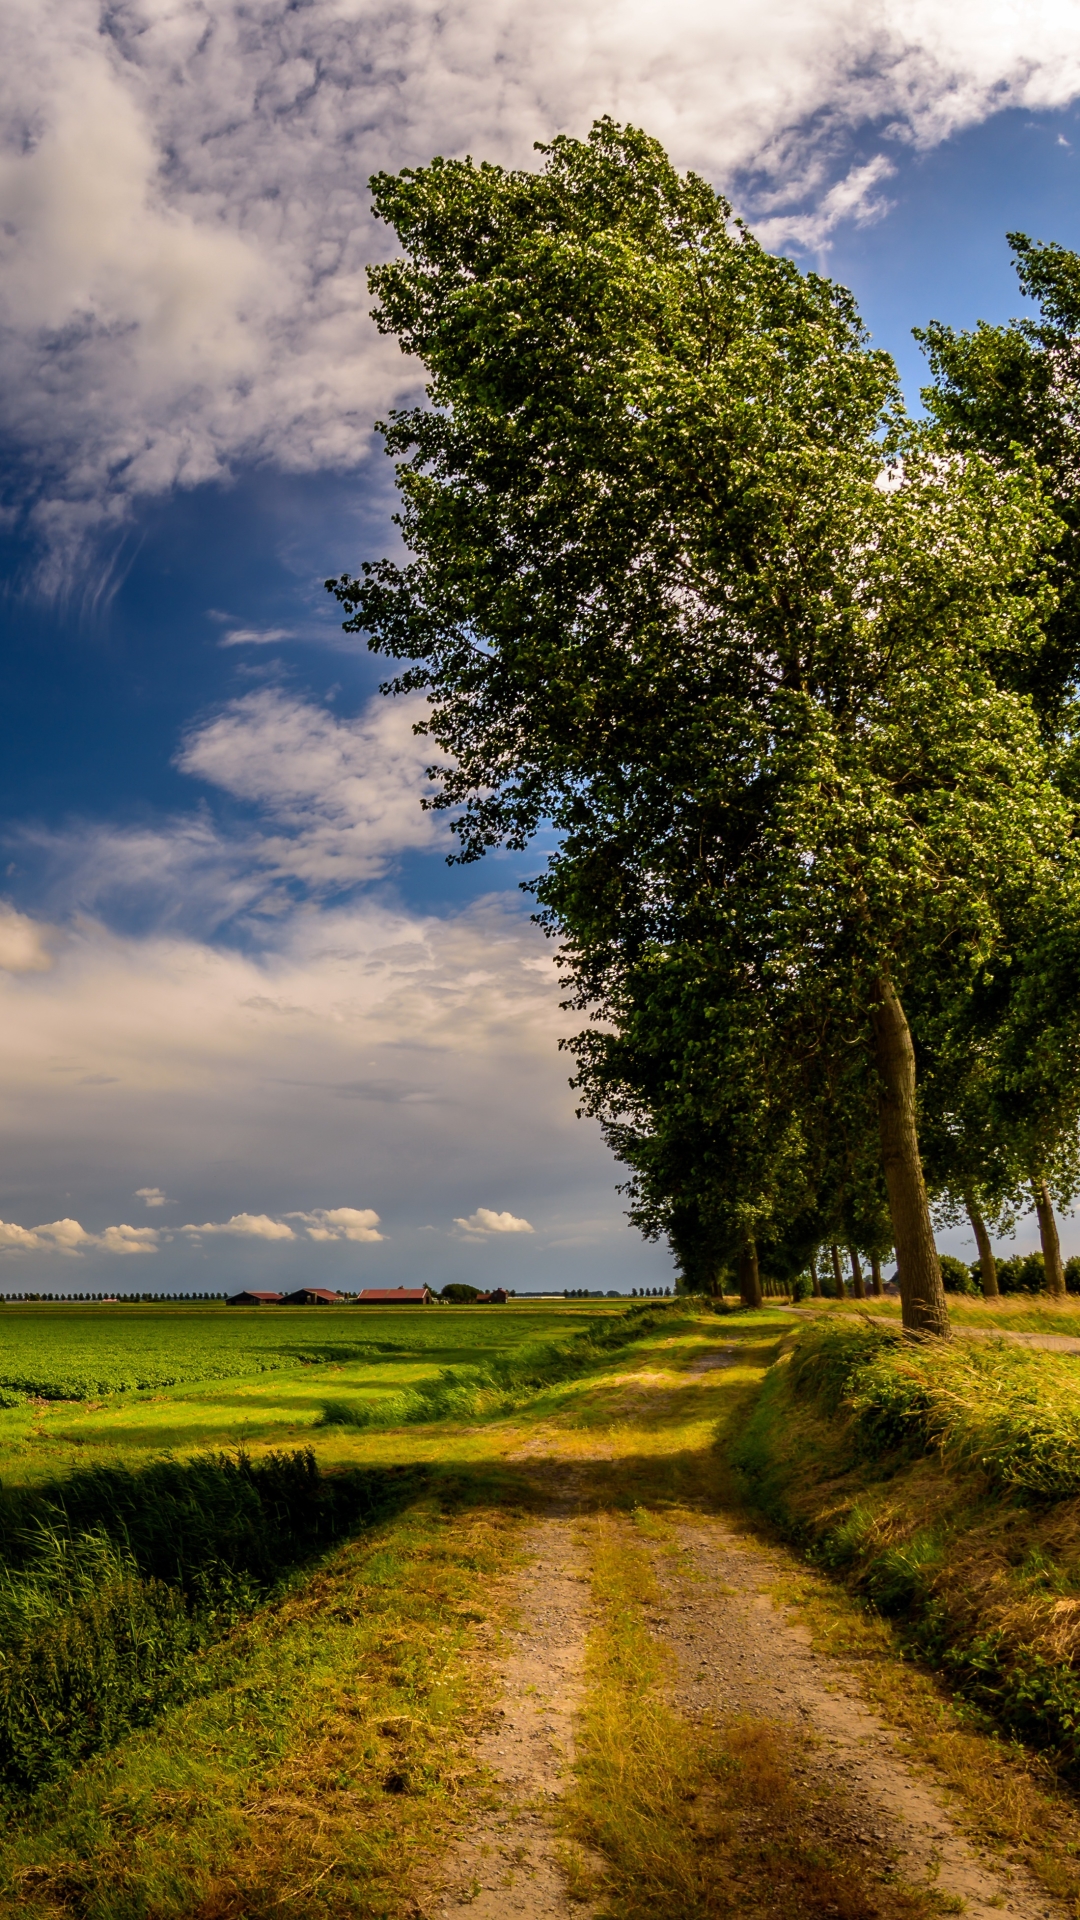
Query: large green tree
[[1013, 393], [683, 582]]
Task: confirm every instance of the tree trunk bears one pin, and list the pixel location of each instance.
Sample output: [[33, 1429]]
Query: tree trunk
[[1048, 1234], [749, 1278], [837, 1270], [876, 1287], [987, 1263], [857, 1287], [922, 1296], [815, 1278]]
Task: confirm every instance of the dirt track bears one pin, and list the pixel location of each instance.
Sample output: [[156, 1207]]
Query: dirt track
[[735, 1653]]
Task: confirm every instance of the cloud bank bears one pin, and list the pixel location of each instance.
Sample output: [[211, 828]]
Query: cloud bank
[[68, 1238], [193, 295]]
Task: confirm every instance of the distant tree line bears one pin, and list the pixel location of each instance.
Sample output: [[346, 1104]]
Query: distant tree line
[[791, 676]]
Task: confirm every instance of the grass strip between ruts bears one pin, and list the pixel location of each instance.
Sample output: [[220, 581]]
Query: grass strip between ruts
[[669, 1821]]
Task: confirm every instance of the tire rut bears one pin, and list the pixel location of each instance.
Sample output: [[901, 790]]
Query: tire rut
[[506, 1865]]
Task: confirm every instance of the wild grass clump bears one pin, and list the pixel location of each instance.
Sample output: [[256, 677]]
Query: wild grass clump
[[943, 1482], [111, 1583], [1012, 1413], [507, 1381]]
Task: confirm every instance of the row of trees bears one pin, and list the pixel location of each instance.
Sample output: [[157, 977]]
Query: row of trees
[[790, 674]]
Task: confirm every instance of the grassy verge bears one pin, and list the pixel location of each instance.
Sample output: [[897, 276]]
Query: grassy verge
[[320, 1765], [1012, 1313], [670, 1822], [505, 1384], [942, 1484]]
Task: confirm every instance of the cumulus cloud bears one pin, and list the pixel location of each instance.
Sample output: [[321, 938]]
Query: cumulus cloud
[[253, 1226], [485, 1220], [153, 1196], [195, 296], [68, 1237], [341, 1223]]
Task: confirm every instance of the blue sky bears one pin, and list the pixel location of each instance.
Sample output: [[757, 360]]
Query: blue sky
[[255, 1027]]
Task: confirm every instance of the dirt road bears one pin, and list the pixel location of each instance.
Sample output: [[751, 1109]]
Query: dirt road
[[734, 1652]]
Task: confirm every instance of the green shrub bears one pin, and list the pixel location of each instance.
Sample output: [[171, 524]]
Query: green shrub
[[802, 1288], [1022, 1273], [458, 1294], [956, 1276]]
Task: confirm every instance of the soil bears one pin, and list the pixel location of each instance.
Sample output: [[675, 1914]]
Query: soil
[[507, 1865], [734, 1653]]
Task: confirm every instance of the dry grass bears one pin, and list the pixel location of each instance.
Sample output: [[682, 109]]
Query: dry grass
[[697, 1823]]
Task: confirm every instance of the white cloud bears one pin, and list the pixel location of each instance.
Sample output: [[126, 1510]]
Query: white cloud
[[129, 1239], [193, 294], [484, 1220], [153, 1196], [341, 1223], [422, 1050], [23, 947], [253, 1226], [337, 801], [345, 793], [68, 1237], [255, 636]]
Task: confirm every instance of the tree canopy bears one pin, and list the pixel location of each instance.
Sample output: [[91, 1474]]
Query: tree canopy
[[684, 581]]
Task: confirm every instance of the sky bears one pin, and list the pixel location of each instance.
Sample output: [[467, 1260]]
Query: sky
[[255, 1030]]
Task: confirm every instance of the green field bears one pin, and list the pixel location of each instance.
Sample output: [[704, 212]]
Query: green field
[[126, 1381]]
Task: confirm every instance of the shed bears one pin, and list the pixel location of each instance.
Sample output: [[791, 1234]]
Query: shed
[[314, 1297], [255, 1300], [394, 1297]]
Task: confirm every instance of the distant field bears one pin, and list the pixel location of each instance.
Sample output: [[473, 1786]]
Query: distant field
[[79, 1353], [83, 1382]]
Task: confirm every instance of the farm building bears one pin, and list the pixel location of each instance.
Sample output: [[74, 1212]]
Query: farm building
[[314, 1297], [394, 1297], [255, 1300]]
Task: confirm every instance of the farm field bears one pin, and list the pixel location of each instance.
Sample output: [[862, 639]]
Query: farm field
[[544, 1654], [121, 1382]]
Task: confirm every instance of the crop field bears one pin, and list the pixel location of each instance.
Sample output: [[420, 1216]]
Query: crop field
[[136, 1380]]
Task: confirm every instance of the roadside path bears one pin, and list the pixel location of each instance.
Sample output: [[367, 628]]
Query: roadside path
[[734, 1652]]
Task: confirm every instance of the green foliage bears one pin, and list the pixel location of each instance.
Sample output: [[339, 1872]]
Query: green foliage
[[458, 1293], [956, 1276], [662, 471], [1022, 1273]]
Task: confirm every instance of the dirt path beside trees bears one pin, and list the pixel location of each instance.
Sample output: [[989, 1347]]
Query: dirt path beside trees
[[736, 1654], [733, 1659]]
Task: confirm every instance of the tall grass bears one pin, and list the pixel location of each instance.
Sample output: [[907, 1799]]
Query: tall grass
[[1013, 1414], [111, 1583], [943, 1482]]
